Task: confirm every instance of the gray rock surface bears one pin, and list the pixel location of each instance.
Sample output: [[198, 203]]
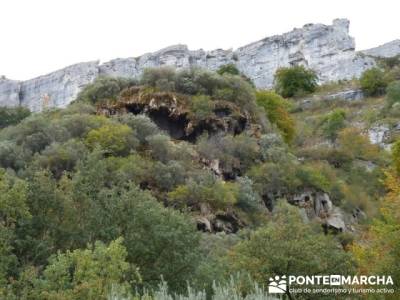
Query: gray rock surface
[[9, 92], [327, 49], [390, 49], [59, 88], [356, 94], [378, 134]]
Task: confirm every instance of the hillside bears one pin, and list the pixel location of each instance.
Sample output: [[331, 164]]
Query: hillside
[[197, 177]]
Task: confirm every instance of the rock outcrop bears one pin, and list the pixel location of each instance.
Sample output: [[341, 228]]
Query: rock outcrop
[[327, 49], [9, 92], [59, 88], [390, 49], [171, 113], [317, 205]]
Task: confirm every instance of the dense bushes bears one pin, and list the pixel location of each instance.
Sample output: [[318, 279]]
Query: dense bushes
[[301, 249], [93, 205], [332, 123], [373, 82], [393, 93], [215, 193], [112, 138], [195, 81], [276, 109], [229, 69], [295, 81], [104, 89], [11, 116]]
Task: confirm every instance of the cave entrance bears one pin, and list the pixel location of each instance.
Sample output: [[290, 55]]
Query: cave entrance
[[175, 126]]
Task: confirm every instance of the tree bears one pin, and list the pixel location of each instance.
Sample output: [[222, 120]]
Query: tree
[[396, 156], [201, 107], [287, 245], [12, 115], [356, 145], [333, 123], [143, 126], [161, 78], [53, 220], [378, 252], [215, 193], [89, 273], [116, 139], [393, 93], [13, 209], [60, 158], [104, 89], [373, 82], [294, 81], [229, 69], [276, 110], [159, 240]]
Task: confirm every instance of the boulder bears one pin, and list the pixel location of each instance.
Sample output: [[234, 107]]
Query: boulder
[[349, 95], [378, 134], [335, 221]]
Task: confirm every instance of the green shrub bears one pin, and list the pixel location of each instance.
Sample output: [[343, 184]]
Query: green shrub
[[104, 89], [229, 69], [393, 93], [313, 177], [143, 126], [276, 110], [333, 123], [162, 78], [88, 273], [396, 156], [288, 245], [248, 199], [60, 158], [12, 115], [356, 145], [273, 148], [160, 146], [235, 153], [201, 107], [373, 82], [294, 81], [195, 81], [216, 193], [114, 139]]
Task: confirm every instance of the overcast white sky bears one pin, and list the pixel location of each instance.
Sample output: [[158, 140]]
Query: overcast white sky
[[40, 36]]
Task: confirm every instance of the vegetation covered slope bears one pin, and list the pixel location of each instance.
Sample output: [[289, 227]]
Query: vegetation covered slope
[[139, 188]]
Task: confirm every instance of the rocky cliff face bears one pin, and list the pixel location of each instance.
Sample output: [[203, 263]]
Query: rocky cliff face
[[327, 49], [9, 92], [386, 50], [59, 88]]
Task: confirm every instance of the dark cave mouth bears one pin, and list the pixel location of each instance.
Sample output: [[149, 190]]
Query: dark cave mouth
[[177, 125]]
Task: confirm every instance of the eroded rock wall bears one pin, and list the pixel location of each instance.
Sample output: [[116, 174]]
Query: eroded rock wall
[[9, 92], [328, 49], [59, 88], [390, 49]]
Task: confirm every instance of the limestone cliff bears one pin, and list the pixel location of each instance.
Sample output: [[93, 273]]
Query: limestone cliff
[[327, 49], [390, 49]]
